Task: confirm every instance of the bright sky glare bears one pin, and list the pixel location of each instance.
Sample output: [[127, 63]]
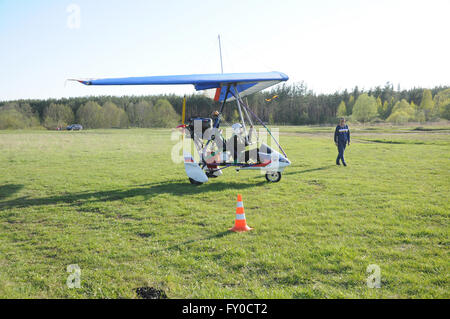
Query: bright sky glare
[[331, 45]]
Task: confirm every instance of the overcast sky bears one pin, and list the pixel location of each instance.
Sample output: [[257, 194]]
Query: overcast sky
[[330, 45]]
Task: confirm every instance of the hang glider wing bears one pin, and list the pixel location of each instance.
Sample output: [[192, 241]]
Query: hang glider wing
[[244, 83]]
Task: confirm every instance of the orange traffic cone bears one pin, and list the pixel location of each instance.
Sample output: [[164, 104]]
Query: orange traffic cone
[[240, 224]]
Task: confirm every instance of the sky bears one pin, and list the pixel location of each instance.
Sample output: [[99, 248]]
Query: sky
[[330, 45]]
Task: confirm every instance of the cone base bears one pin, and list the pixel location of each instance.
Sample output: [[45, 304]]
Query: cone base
[[240, 229]]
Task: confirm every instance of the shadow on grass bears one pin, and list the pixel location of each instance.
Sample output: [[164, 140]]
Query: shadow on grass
[[178, 188], [424, 129], [394, 142], [309, 170], [9, 189]]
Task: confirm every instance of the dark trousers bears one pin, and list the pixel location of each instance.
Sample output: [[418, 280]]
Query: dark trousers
[[341, 149]]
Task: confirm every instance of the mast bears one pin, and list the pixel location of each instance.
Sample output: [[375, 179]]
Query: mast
[[220, 52]]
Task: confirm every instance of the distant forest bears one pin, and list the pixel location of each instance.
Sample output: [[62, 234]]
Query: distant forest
[[285, 104]]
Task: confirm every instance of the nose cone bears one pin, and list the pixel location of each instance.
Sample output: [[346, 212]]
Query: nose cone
[[283, 160]]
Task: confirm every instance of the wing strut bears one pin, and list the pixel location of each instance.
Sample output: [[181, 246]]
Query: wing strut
[[237, 97]]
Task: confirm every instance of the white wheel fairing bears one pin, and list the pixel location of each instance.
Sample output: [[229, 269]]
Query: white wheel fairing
[[193, 170]]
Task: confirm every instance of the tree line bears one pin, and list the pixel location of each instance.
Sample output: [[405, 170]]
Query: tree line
[[90, 112], [286, 104], [296, 104]]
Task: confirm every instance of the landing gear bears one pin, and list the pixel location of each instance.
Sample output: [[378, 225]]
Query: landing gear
[[273, 177], [194, 182], [211, 175]]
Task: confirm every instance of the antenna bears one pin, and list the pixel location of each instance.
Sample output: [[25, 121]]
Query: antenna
[[220, 52]]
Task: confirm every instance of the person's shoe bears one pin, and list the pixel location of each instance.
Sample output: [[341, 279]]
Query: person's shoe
[[345, 164]]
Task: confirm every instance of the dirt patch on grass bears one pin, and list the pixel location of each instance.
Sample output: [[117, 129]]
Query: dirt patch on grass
[[316, 183], [145, 235], [150, 293]]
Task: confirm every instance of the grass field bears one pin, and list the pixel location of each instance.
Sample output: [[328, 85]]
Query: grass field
[[112, 202]]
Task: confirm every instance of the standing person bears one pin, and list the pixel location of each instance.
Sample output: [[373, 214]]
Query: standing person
[[341, 139]]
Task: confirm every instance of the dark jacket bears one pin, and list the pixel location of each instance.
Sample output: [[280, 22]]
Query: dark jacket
[[342, 134]]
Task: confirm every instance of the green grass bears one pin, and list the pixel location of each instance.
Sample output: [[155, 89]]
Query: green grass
[[112, 202]]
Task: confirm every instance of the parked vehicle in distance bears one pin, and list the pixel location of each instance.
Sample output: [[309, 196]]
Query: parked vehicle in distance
[[74, 127]]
